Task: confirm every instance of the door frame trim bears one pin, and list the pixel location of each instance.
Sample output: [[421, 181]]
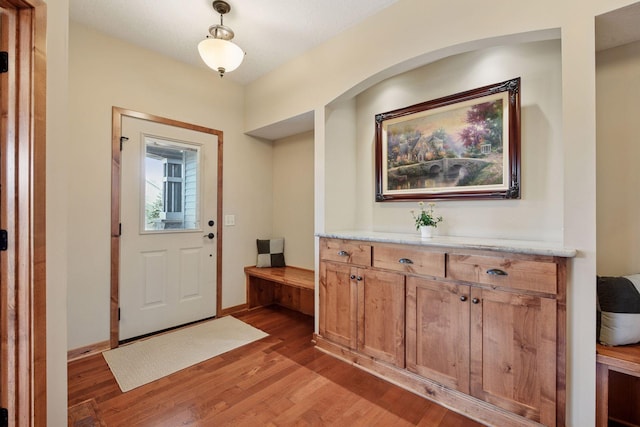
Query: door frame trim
[[116, 132], [23, 287]]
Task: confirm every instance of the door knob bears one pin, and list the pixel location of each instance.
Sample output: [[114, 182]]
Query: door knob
[[210, 235]]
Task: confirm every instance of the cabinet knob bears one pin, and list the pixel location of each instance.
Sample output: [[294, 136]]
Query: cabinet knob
[[353, 276], [405, 261], [359, 278], [497, 272], [463, 298], [343, 253], [475, 300]]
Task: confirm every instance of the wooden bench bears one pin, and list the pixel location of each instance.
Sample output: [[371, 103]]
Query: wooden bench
[[290, 287], [622, 359]]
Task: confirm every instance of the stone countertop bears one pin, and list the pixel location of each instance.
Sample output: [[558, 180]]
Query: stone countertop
[[457, 242]]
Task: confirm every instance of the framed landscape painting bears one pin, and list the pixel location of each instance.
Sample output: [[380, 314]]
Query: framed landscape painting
[[462, 146]]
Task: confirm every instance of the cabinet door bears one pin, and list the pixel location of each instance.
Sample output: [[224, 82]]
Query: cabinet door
[[513, 353], [381, 315], [338, 303], [438, 331]]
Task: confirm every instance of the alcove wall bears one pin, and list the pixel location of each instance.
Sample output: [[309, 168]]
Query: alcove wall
[[293, 198], [618, 159], [350, 146], [617, 195]]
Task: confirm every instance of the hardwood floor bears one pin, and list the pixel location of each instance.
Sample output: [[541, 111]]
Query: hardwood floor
[[281, 380]]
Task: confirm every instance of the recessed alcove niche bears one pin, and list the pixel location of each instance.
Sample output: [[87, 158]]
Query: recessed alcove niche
[[348, 140], [617, 172], [293, 205], [617, 141]]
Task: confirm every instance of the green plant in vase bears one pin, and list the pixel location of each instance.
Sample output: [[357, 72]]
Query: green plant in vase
[[425, 218]]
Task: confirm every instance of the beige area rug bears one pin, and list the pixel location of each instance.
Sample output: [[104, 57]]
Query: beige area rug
[[145, 361]]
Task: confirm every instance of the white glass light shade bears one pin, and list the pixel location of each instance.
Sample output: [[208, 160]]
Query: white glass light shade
[[221, 55]]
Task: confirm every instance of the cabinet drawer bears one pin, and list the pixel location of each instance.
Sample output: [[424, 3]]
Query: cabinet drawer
[[345, 251], [531, 275], [409, 259]]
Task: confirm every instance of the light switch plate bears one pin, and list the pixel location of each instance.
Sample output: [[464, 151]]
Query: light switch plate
[[229, 220]]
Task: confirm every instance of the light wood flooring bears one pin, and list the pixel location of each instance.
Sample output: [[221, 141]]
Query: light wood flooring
[[281, 380]]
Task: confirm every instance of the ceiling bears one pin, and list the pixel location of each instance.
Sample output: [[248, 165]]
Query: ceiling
[[618, 27], [270, 32]]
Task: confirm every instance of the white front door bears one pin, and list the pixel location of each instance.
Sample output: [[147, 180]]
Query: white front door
[[168, 207]]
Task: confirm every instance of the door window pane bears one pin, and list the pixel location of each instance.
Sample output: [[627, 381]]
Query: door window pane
[[171, 187]]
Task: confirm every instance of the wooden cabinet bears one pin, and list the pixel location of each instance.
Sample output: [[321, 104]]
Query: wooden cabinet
[[480, 331], [338, 303], [513, 331], [362, 309], [513, 353], [380, 317], [496, 346], [338, 289], [438, 331]]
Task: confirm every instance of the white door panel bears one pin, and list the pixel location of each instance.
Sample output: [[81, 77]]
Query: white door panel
[[155, 278], [167, 264]]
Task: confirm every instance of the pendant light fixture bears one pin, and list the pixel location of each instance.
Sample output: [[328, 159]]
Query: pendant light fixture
[[217, 50]]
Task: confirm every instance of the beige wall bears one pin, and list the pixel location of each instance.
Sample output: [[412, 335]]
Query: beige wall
[[415, 33], [538, 214], [617, 165], [340, 163], [293, 208], [57, 222], [105, 72]]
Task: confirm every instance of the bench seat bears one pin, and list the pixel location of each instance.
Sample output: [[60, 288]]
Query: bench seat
[[288, 286], [623, 359]]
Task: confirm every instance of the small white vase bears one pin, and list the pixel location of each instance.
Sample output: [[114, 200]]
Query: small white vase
[[426, 231]]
